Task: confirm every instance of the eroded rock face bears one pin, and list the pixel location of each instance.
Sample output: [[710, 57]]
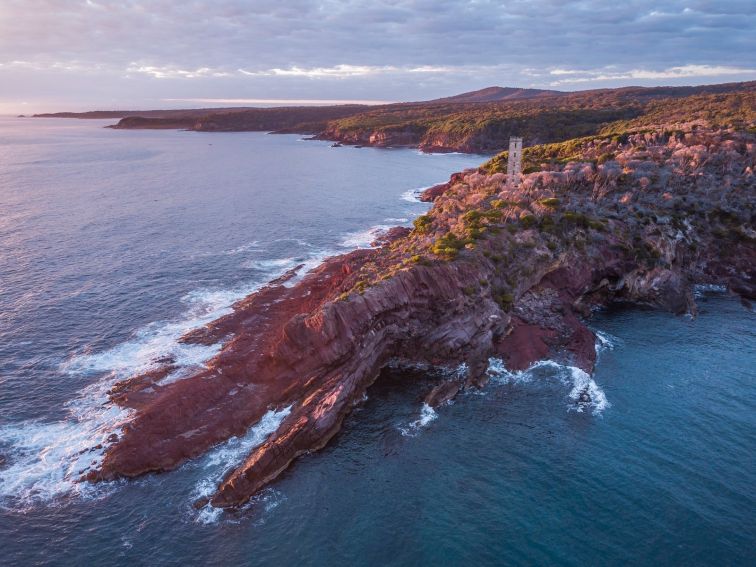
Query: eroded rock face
[[493, 271]]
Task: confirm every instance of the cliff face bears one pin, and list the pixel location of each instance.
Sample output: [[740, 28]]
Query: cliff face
[[490, 271]]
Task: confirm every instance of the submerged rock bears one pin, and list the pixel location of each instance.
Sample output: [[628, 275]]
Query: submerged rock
[[584, 397]]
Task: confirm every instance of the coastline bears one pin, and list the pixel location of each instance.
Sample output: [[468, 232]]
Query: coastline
[[430, 297]]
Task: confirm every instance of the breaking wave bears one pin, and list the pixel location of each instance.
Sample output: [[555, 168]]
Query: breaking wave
[[267, 265], [427, 415], [605, 341], [226, 456], [700, 290], [363, 238], [412, 195], [45, 460], [584, 393], [48, 459]]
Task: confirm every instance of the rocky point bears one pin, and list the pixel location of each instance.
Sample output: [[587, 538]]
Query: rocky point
[[490, 271]]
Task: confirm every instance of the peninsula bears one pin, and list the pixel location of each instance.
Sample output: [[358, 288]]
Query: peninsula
[[642, 202]]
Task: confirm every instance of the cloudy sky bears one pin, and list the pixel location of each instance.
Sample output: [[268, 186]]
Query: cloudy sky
[[85, 54]]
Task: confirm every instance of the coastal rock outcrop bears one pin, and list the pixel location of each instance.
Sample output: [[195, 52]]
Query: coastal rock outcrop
[[490, 271]]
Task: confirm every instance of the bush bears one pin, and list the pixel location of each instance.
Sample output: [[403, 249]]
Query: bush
[[418, 259], [422, 224], [527, 221], [603, 158], [501, 203], [551, 202], [504, 300], [448, 246], [548, 224], [578, 219]]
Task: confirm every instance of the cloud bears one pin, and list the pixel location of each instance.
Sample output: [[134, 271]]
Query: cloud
[[169, 72], [344, 71], [682, 72], [148, 50]]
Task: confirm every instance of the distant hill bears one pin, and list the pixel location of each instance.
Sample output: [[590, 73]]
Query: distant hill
[[495, 94], [112, 114], [479, 121]]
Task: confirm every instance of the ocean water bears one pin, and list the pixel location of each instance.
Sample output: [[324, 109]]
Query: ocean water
[[113, 243]]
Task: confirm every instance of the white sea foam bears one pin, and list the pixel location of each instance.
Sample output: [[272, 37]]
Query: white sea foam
[[605, 341], [267, 265], [583, 383], [160, 339], [579, 381], [310, 263], [295, 240], [363, 238], [48, 459], [700, 290], [427, 415], [243, 248], [412, 195], [392, 219], [226, 456]]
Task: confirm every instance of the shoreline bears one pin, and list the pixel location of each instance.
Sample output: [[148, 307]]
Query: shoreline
[[429, 297]]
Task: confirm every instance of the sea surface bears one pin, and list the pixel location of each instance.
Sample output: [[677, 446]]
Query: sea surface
[[114, 243]]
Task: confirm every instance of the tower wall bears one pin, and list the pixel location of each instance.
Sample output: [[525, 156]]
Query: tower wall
[[514, 162]]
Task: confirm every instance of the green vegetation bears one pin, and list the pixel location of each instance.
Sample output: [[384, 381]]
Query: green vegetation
[[422, 224], [736, 109], [528, 221], [603, 158], [448, 246], [551, 202], [505, 299]]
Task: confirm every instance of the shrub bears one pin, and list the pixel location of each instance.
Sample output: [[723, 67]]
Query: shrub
[[422, 224], [501, 203], [578, 219], [527, 221], [551, 202], [448, 246], [418, 259], [603, 158], [472, 217], [548, 224], [504, 299]]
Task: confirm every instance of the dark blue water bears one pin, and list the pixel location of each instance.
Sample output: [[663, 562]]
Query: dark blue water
[[113, 243]]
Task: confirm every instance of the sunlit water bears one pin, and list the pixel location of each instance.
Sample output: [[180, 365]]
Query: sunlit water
[[113, 243]]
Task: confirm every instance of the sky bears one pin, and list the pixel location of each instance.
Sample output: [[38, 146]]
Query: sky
[[136, 54]]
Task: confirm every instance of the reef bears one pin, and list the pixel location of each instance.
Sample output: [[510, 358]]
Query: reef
[[490, 271]]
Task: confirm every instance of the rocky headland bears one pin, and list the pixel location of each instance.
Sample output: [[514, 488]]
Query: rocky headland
[[636, 218]]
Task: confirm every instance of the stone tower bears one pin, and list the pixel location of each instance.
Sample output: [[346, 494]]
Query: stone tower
[[514, 163]]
